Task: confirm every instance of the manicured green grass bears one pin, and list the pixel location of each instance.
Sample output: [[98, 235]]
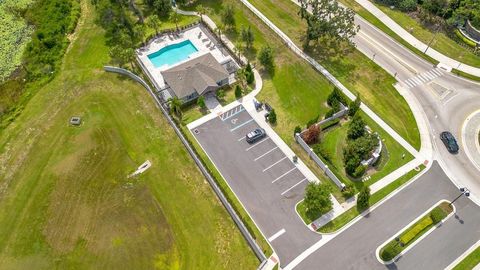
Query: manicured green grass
[[469, 262], [441, 42], [415, 231], [356, 71], [66, 201], [296, 91], [302, 211], [365, 14], [352, 213]]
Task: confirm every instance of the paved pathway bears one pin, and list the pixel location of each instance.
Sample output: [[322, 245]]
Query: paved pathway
[[415, 42], [331, 78]]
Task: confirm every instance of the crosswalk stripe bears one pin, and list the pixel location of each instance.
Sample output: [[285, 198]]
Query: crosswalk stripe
[[429, 76], [417, 80], [412, 82], [423, 78], [431, 73], [438, 72], [408, 84]]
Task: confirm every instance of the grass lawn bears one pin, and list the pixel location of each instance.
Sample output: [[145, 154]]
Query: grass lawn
[[415, 231], [441, 43], [469, 262], [352, 213], [356, 71], [66, 201], [296, 91]]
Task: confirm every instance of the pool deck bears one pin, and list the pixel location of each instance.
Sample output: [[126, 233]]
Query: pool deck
[[199, 38]]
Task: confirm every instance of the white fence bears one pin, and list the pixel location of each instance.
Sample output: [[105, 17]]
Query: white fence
[[319, 162]]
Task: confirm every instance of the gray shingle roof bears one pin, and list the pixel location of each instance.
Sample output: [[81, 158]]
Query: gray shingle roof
[[200, 74]]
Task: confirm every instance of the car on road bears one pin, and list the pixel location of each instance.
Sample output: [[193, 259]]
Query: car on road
[[449, 141], [255, 135]]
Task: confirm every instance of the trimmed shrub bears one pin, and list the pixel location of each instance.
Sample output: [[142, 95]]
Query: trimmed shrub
[[272, 117], [390, 251], [329, 124], [238, 91], [297, 129], [359, 171], [348, 191], [437, 215], [221, 94], [363, 199], [201, 102]]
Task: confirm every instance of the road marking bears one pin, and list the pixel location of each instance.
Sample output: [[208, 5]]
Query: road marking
[[274, 163], [408, 83], [233, 112], [278, 178], [276, 235], [301, 181], [417, 80], [268, 152], [241, 139], [425, 77], [257, 143], [438, 72], [241, 125], [419, 76], [431, 75]]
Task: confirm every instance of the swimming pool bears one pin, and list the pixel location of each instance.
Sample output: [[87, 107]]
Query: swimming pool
[[172, 54]]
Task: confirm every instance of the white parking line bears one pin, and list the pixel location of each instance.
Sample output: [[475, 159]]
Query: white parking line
[[276, 235], [257, 143], [233, 112], [241, 139], [294, 186], [278, 178], [241, 125], [268, 152], [274, 164]]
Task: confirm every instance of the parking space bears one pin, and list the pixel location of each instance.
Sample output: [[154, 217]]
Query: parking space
[[267, 182]]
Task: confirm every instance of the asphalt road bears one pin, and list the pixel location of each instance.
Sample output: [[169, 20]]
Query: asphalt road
[[355, 247], [266, 181], [447, 100]]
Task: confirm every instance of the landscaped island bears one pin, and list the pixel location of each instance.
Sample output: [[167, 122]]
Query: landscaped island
[[408, 236]]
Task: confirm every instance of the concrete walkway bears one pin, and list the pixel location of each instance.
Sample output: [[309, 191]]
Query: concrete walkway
[[331, 78], [415, 42]]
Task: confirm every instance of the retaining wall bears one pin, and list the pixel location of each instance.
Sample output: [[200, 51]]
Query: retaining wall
[[472, 31]]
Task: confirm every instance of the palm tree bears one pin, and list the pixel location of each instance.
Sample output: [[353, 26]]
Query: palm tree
[[175, 18], [242, 77], [139, 31], [201, 10], [175, 105], [154, 22]]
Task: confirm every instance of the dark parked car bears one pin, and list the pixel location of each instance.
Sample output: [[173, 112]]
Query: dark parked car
[[255, 135], [449, 141]]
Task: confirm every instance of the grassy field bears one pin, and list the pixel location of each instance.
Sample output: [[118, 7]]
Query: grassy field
[[356, 71], [441, 43], [469, 262], [64, 193]]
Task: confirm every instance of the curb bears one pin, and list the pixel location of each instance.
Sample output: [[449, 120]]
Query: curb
[[377, 251]]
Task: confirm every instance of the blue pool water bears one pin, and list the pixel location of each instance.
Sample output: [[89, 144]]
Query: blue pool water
[[172, 54]]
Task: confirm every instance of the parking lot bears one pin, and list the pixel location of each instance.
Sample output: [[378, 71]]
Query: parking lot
[[266, 181]]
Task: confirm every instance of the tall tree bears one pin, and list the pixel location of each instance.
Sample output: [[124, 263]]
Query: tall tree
[[175, 105], [228, 17], [328, 21], [317, 200], [154, 22], [201, 10], [247, 36], [265, 56]]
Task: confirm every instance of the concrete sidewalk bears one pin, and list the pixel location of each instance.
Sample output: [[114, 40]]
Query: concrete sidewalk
[[415, 42], [332, 79]]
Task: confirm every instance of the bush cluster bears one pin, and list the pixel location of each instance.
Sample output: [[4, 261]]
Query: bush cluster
[[317, 200], [249, 76], [360, 144]]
